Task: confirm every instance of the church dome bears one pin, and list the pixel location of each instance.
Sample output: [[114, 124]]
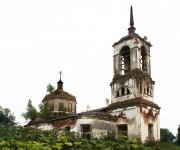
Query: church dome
[[60, 94], [61, 101]]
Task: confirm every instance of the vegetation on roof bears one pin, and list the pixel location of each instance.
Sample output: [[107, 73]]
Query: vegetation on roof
[[59, 93]]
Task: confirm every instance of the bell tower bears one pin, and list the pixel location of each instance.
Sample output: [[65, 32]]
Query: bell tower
[[132, 67], [132, 88]]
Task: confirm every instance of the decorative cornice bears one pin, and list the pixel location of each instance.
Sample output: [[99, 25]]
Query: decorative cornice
[[132, 102]]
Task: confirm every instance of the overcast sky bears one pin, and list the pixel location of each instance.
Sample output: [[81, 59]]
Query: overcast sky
[[38, 38]]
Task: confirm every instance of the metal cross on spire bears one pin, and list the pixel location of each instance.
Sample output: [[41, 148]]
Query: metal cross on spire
[[60, 74]]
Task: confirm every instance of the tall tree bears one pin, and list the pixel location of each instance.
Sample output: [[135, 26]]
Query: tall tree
[[6, 116], [45, 110], [166, 135], [50, 88], [31, 112], [178, 136]]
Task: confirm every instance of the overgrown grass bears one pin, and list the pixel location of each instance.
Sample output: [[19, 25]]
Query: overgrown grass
[[20, 138], [169, 146], [161, 146]]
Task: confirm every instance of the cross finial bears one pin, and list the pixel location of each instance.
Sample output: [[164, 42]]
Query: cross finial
[[60, 74], [60, 83]]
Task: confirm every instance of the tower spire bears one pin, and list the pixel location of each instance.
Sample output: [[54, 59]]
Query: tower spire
[[60, 83], [131, 29]]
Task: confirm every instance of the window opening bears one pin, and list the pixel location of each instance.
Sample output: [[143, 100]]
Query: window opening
[[125, 60], [117, 94], [148, 91], [145, 90], [61, 106], [67, 129], [70, 107], [85, 129], [123, 129], [122, 91], [150, 132], [143, 61], [52, 106], [128, 91]]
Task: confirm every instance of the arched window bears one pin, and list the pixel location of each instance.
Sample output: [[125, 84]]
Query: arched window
[[123, 91], [143, 59], [125, 60]]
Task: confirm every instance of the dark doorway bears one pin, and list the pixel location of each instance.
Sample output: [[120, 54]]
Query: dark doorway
[[150, 132]]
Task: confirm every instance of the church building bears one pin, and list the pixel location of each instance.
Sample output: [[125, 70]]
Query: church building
[[132, 110]]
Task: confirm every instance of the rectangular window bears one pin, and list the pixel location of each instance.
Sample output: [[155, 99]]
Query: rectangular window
[[123, 129], [67, 129], [52, 106], [61, 106], [86, 131], [70, 107]]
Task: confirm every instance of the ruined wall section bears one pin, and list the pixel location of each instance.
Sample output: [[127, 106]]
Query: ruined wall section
[[99, 128], [131, 117], [150, 116]]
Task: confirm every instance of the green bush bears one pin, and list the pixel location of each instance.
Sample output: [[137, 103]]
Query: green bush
[[20, 138]]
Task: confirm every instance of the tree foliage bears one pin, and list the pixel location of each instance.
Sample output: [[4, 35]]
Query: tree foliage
[[107, 101], [20, 138], [31, 112], [166, 135], [178, 136], [6, 116], [45, 110], [50, 88]]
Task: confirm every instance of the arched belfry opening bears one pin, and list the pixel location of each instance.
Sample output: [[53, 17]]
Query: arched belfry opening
[[125, 60], [143, 59]]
